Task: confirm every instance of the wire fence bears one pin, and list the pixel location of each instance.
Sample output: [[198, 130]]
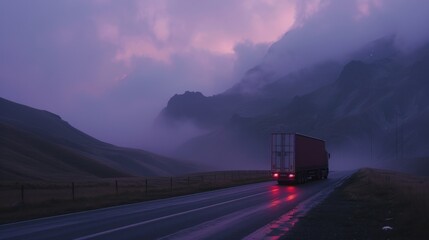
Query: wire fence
[[22, 193]]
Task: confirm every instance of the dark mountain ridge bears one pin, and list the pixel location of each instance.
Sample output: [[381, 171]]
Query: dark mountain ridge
[[36, 144], [27, 156], [262, 91], [211, 112], [375, 111], [206, 112]]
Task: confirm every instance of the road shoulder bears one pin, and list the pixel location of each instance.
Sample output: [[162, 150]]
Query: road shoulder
[[369, 205]]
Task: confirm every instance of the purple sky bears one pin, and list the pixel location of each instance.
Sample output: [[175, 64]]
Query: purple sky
[[108, 67]]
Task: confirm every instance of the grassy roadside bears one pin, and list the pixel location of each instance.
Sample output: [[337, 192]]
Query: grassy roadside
[[400, 201], [47, 199], [372, 204]]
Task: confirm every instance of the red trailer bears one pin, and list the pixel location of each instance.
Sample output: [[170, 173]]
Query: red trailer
[[296, 158]]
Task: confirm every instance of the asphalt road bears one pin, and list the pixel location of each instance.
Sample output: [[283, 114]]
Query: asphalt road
[[252, 211]]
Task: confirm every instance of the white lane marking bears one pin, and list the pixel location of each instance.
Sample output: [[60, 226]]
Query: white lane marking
[[210, 228], [120, 208], [165, 217], [280, 226], [50, 223]]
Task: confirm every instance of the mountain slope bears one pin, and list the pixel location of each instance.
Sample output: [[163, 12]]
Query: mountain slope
[[25, 156], [374, 110], [40, 145], [264, 88], [244, 99]]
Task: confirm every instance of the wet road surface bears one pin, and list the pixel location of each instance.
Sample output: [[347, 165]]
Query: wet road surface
[[252, 211]]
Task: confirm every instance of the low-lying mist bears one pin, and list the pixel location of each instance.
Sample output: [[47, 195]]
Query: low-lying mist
[[377, 45], [165, 139]]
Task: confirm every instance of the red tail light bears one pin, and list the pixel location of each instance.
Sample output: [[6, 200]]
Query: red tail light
[[275, 175], [291, 175]]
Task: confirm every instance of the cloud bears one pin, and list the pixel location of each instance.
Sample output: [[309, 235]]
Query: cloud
[[334, 29], [248, 55], [109, 66], [160, 29]]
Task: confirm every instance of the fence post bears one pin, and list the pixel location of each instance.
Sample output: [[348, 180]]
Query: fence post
[[171, 184], [22, 193], [145, 186], [188, 180], [73, 190], [116, 186]]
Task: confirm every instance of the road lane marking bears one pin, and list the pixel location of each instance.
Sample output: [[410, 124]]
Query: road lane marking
[[280, 226], [212, 227], [165, 217], [120, 208]]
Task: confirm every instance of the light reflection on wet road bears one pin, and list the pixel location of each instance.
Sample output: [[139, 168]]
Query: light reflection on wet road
[[252, 211]]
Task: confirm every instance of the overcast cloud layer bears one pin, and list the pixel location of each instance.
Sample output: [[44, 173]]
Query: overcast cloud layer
[[108, 67], [335, 29]]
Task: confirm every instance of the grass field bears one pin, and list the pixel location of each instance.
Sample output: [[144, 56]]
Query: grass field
[[27, 200], [371, 204], [397, 200]]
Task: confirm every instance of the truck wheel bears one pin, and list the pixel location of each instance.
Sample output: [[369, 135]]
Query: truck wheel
[[325, 174]]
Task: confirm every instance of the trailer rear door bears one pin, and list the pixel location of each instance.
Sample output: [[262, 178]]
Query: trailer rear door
[[283, 152]]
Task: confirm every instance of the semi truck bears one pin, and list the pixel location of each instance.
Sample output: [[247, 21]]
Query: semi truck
[[296, 158]]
